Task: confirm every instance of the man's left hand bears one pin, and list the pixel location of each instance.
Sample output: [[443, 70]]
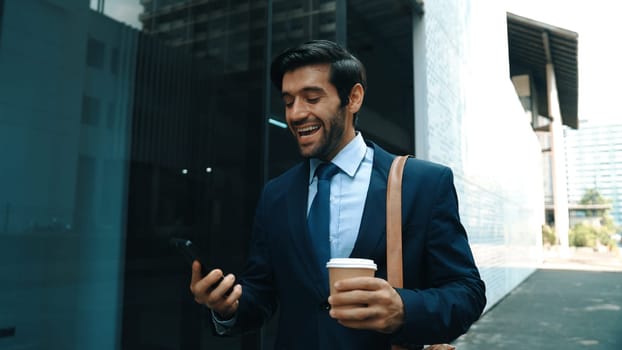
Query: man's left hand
[[367, 303]]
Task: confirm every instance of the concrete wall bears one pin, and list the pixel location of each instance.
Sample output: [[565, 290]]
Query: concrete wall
[[469, 117]]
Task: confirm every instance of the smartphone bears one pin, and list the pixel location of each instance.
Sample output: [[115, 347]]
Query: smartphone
[[186, 248], [190, 254]]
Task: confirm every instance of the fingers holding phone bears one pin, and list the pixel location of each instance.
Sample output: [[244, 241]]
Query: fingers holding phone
[[210, 288], [216, 291]]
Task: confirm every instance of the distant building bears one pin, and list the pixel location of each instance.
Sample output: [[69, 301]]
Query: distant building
[[594, 160], [232, 32], [589, 214]]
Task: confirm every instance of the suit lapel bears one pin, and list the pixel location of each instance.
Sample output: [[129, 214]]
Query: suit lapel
[[298, 229], [372, 231]]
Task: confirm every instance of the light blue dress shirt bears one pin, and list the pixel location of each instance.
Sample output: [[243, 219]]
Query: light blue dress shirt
[[348, 192]]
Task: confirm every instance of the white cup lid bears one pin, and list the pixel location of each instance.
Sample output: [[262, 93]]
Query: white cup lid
[[353, 263]]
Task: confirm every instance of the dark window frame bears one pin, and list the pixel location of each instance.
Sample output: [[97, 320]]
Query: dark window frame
[[1, 17]]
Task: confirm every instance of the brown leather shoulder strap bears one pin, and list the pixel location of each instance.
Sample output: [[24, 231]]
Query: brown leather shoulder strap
[[394, 222], [394, 233]]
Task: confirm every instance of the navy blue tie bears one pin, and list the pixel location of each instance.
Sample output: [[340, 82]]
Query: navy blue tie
[[319, 215]]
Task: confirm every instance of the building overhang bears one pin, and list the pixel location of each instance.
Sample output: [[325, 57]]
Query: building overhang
[[532, 45], [583, 207]]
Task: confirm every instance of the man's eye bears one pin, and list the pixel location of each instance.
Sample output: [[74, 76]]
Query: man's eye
[[313, 100]]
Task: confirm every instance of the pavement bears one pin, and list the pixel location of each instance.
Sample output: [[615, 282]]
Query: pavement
[[572, 301]]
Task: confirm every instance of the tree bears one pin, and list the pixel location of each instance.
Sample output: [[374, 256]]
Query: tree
[[584, 234], [592, 196]]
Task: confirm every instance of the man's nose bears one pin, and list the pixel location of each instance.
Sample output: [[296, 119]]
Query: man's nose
[[299, 110]]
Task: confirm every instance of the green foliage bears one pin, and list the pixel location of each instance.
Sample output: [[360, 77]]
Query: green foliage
[[584, 235], [548, 235], [592, 196], [608, 223]]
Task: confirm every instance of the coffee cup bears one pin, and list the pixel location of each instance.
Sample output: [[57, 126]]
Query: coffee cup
[[342, 268]]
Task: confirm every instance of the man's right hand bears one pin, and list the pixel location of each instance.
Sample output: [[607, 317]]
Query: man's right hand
[[217, 298]]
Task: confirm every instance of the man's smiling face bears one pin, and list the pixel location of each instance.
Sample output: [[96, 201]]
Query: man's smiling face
[[313, 113]]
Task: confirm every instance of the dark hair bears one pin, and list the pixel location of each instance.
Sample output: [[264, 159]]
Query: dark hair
[[345, 69]]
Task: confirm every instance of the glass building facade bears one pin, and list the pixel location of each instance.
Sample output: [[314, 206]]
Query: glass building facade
[[114, 139], [594, 161]]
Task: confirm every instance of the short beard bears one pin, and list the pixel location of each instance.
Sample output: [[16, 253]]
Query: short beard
[[333, 138]]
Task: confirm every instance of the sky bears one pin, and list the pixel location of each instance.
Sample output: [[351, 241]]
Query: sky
[[125, 11], [595, 21]]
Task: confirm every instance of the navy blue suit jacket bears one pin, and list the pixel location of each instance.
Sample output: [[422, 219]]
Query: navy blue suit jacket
[[443, 293]]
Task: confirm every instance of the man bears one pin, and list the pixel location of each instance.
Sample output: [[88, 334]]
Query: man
[[323, 87]]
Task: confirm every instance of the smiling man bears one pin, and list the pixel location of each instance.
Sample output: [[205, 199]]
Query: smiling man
[[323, 88], [313, 110]]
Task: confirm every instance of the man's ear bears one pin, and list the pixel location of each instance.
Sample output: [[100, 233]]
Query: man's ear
[[356, 98]]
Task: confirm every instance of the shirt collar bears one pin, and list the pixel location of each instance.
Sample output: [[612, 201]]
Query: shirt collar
[[348, 159]]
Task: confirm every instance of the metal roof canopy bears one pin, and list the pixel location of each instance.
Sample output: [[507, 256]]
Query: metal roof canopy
[[530, 44]]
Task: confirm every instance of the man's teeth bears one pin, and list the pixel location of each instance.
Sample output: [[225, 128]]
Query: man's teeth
[[307, 130]]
